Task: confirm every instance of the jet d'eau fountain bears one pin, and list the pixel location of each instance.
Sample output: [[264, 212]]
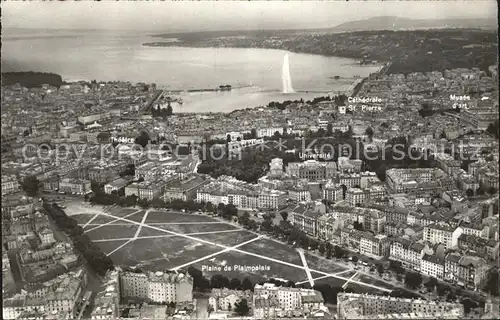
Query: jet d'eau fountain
[[285, 76]]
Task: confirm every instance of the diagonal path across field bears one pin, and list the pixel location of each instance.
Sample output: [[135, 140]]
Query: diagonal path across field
[[350, 280], [121, 246], [91, 219], [306, 267], [166, 235], [110, 222], [244, 252], [142, 224], [216, 253], [323, 277]]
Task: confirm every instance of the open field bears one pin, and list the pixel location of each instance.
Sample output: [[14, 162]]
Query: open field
[[82, 218], [112, 232], [160, 240], [170, 216], [270, 248]]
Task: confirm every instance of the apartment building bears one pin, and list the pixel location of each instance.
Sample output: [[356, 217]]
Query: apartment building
[[272, 199], [106, 172], [333, 192], [9, 184], [375, 246], [364, 306], [441, 232], [299, 192], [483, 247], [289, 299], [409, 253], [146, 189], [433, 266], [351, 238], [465, 270], [228, 190], [158, 286], [269, 132], [266, 308], [405, 180], [356, 196], [326, 227], [57, 296], [46, 236], [475, 229], [225, 299], [184, 189], [305, 219], [347, 165]]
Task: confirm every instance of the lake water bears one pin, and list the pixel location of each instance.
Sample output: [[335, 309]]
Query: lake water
[[91, 55]]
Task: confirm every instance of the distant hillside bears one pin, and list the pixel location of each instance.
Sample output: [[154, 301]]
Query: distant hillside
[[31, 79], [371, 24], [396, 23]]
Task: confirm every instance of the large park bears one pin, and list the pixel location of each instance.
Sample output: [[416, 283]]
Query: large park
[[160, 239]]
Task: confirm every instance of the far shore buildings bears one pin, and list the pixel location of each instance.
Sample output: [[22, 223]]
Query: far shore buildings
[[363, 306]]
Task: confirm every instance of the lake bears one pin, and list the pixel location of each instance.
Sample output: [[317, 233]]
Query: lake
[[88, 55]]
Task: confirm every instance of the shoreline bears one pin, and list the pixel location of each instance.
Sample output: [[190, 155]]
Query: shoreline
[[180, 43]]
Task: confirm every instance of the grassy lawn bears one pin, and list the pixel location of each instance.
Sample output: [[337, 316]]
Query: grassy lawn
[[136, 217], [274, 250], [161, 253], [193, 228], [113, 232], [121, 212], [169, 216], [323, 265], [82, 218], [228, 238], [109, 246], [102, 219], [166, 251]]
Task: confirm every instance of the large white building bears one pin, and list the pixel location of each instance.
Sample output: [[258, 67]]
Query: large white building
[[433, 266], [409, 253], [158, 286], [444, 233]]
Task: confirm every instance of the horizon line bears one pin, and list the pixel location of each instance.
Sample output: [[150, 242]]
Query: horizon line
[[240, 30]]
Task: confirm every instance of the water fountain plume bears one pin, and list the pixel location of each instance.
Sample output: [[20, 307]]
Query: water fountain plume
[[286, 77]]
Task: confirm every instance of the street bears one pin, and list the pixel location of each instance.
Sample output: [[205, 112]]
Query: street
[[201, 308]]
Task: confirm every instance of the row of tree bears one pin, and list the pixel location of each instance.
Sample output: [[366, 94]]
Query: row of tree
[[31, 186], [95, 258], [118, 197], [31, 79], [162, 112]]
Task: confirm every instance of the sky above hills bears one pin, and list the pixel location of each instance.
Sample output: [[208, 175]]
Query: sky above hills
[[227, 15]]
